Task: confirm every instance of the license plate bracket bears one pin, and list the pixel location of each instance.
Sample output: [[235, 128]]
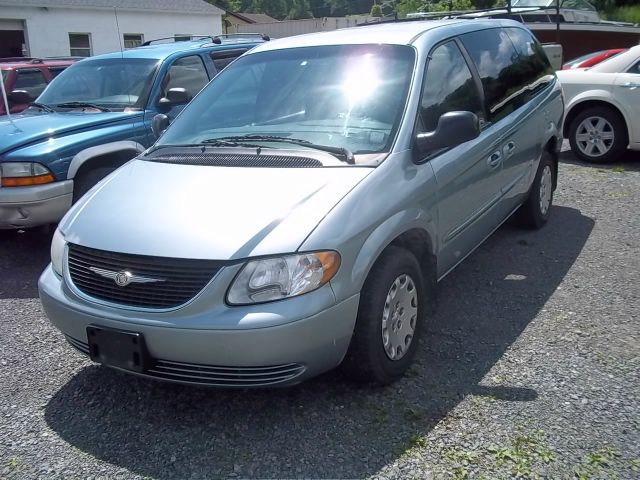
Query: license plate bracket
[[118, 348]]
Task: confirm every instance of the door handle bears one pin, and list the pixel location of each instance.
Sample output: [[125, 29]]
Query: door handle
[[494, 160], [631, 85], [509, 149]]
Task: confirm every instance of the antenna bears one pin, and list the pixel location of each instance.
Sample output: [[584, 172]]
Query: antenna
[[120, 40]]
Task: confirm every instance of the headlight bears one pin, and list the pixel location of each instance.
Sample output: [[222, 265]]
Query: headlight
[[22, 174], [276, 278], [57, 251]]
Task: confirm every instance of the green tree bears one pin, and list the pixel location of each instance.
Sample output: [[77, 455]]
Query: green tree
[[299, 9]]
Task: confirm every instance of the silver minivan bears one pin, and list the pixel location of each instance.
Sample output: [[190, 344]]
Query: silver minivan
[[298, 214]]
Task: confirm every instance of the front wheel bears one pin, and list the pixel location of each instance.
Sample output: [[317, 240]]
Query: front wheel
[[598, 134], [388, 325]]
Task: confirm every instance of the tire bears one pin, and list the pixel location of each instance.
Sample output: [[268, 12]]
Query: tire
[[367, 359], [86, 180], [607, 129], [534, 213]]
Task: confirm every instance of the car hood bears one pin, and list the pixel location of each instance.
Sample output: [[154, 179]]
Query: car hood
[[27, 128], [207, 212]]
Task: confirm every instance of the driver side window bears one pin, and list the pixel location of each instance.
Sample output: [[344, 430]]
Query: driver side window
[[448, 86]]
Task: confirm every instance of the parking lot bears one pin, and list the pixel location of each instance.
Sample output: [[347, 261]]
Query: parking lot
[[529, 368]]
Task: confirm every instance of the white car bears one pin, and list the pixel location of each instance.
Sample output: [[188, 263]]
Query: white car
[[602, 106]]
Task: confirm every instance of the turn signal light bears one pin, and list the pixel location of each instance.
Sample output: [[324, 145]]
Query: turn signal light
[[27, 181]]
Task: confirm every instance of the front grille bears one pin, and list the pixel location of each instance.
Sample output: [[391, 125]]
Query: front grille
[[179, 279], [225, 376], [214, 376], [78, 345]]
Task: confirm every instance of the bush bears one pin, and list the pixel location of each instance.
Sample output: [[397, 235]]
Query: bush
[[623, 14]]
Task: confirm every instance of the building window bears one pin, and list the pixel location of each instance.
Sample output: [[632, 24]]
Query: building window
[[178, 37], [80, 44], [133, 40]]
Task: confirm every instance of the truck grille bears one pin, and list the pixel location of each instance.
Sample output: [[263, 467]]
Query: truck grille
[[154, 282]]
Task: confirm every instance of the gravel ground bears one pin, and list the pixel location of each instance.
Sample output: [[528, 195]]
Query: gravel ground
[[529, 368]]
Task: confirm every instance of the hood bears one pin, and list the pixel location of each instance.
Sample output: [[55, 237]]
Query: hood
[[207, 212], [27, 128]]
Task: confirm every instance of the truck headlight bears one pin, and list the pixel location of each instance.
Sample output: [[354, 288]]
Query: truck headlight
[[24, 174], [276, 278], [57, 251]]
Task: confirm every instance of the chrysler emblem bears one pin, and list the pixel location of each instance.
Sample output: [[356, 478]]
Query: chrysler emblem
[[124, 278]]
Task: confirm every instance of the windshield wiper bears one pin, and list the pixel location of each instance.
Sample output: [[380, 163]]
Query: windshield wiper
[[82, 104], [335, 151], [42, 106], [218, 142]]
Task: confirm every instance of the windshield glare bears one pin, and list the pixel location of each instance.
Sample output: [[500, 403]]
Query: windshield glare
[[115, 83], [349, 97]]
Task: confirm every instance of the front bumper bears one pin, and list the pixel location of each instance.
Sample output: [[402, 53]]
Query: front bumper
[[284, 354], [23, 207]]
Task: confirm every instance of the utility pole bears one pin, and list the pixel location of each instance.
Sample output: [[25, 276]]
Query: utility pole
[[557, 21]]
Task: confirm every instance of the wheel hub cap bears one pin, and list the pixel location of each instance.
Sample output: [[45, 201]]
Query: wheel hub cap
[[595, 136], [546, 187], [399, 317]]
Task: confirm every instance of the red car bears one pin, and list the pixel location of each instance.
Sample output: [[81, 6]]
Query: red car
[[591, 59], [28, 76]]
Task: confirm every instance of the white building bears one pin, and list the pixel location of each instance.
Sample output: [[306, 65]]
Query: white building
[[47, 28]]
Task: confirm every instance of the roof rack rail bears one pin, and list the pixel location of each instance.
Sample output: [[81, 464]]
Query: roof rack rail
[[15, 59], [261, 36], [193, 38], [35, 60], [461, 14]]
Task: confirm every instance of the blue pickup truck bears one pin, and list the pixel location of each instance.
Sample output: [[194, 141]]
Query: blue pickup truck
[[96, 116]]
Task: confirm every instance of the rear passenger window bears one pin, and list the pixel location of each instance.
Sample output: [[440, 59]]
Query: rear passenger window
[[188, 73], [449, 86], [30, 80], [533, 69], [55, 71], [496, 59], [222, 59]]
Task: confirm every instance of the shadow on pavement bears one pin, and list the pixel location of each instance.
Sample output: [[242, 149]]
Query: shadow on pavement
[[328, 427], [23, 257]]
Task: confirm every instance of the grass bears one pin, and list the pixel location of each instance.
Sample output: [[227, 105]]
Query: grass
[[597, 464], [13, 463], [623, 14]]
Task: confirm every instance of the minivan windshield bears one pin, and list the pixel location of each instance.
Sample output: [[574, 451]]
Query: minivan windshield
[[348, 97], [113, 83]]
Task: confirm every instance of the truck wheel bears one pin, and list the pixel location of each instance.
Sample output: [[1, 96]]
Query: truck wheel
[[86, 180], [598, 134], [535, 212], [389, 324]]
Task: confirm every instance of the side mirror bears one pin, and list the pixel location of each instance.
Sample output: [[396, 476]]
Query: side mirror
[[19, 97], [159, 124], [453, 129], [175, 96]]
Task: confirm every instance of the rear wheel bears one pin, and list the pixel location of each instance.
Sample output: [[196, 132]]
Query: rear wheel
[[86, 180], [598, 134], [535, 212], [389, 324]]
